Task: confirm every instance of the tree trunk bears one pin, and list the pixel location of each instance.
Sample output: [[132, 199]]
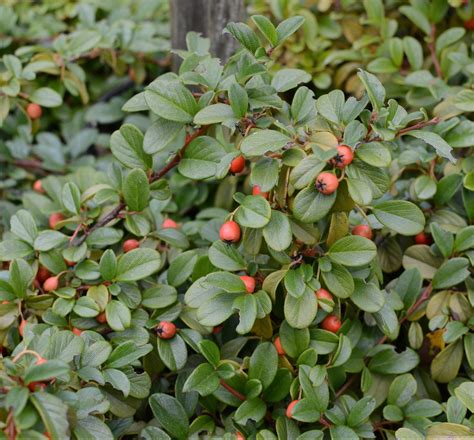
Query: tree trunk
[[209, 17]]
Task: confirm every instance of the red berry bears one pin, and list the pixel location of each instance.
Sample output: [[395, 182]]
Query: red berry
[[469, 24], [51, 284], [21, 328], [54, 219], [422, 238], [279, 348], [331, 323], [237, 165], [70, 263], [323, 294], [363, 231], [47, 435], [5, 302], [170, 224], [216, 330], [239, 436], [33, 110], [230, 232], [34, 385], [77, 331], [249, 283], [43, 274], [256, 191], [101, 318], [165, 330], [343, 157], [327, 183], [38, 186], [290, 407], [131, 244], [41, 361]]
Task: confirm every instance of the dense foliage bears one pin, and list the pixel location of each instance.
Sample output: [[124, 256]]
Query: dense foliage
[[244, 255]]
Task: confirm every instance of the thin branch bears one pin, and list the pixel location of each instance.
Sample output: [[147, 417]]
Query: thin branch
[[232, 390], [423, 297], [158, 175], [434, 57], [406, 130]]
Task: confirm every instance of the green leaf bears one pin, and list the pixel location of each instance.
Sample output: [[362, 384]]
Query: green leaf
[[71, 198], [239, 100], [352, 251], [127, 146], [244, 35], [264, 364], [21, 277], [300, 312], [118, 315], [263, 141], [23, 225], [436, 141], [247, 307], [375, 89], [401, 216], [443, 239], [201, 158], [465, 393], [136, 190], [367, 296], [47, 240], [171, 414], [288, 27], [171, 100], [401, 390], [388, 361], [339, 281], [418, 18], [451, 273], [53, 412], [172, 352], [310, 205], [265, 26], [254, 212], [277, 232], [51, 368], [226, 257], [203, 379], [137, 264], [375, 154], [361, 411], [46, 97], [287, 79], [251, 409], [108, 265], [213, 114]]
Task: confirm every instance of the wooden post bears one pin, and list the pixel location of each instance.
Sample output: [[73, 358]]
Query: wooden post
[[209, 17]]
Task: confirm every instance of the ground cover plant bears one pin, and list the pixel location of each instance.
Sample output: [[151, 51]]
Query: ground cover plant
[[244, 256]]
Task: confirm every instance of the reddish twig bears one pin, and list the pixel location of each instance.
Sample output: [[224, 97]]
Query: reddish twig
[[232, 390], [423, 297], [434, 57], [178, 156], [115, 213], [421, 124]]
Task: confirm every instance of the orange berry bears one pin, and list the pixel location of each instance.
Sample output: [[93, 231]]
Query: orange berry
[[290, 407], [256, 191], [279, 348], [131, 244], [363, 231], [323, 294], [21, 328], [230, 232], [38, 186], [165, 330], [331, 323], [422, 238], [327, 183], [343, 157], [41, 361], [54, 219], [169, 224], [77, 331], [51, 284], [249, 283], [237, 165], [101, 318], [34, 110]]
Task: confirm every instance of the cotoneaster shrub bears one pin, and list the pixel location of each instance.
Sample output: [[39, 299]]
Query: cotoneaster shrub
[[260, 263]]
